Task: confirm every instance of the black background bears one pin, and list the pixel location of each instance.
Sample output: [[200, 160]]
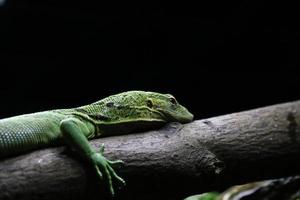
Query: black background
[[216, 57]]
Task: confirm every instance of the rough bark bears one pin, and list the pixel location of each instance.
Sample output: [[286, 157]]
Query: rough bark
[[175, 161]]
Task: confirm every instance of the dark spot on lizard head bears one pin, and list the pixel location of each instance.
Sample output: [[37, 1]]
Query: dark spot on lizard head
[[109, 104], [99, 117], [81, 110]]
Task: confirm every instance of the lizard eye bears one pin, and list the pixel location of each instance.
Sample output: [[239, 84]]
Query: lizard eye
[[149, 103], [173, 101]]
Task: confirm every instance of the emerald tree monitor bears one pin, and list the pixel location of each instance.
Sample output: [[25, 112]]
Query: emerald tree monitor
[[122, 113]]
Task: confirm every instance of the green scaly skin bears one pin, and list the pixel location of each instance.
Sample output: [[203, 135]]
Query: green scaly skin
[[204, 196], [117, 114]]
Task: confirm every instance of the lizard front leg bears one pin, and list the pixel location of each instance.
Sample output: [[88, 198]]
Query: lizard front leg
[[74, 133]]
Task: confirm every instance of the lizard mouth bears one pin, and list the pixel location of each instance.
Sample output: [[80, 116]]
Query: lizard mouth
[[185, 117]]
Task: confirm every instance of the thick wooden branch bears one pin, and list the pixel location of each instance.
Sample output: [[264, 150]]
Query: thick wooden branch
[[175, 161]]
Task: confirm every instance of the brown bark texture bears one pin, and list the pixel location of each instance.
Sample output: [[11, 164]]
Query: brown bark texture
[[170, 163]]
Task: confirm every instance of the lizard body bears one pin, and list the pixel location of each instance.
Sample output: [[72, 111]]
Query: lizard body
[[117, 114]]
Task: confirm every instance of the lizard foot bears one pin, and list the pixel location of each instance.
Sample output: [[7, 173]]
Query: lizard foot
[[105, 171]]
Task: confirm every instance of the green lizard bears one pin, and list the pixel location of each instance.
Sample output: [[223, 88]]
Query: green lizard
[[117, 114]]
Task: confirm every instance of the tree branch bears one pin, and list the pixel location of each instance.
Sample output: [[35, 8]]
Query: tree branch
[[170, 163]]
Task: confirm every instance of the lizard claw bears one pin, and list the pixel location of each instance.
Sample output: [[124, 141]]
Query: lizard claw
[[101, 150], [115, 176], [116, 163], [98, 172]]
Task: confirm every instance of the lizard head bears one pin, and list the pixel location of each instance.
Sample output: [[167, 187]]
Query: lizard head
[[168, 107], [140, 105]]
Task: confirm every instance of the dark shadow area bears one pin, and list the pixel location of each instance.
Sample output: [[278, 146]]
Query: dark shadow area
[[215, 57]]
